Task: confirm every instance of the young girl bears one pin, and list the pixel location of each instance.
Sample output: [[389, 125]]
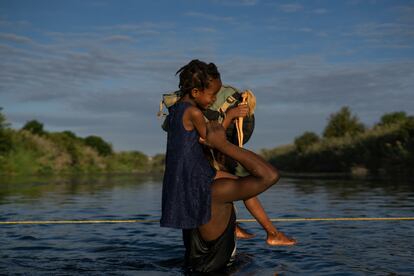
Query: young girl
[[188, 175], [186, 194]]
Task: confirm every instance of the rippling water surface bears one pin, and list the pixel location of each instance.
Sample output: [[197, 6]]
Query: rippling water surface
[[324, 248]]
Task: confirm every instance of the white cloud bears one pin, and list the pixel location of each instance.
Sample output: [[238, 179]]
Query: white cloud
[[144, 28], [405, 13], [319, 11], [205, 30], [381, 30], [237, 2], [305, 30], [388, 35], [291, 8], [209, 17], [15, 38], [5, 23], [118, 38]]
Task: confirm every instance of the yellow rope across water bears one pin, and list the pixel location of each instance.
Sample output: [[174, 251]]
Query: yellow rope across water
[[34, 222]]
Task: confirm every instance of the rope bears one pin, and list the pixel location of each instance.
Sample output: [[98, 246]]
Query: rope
[[34, 222]]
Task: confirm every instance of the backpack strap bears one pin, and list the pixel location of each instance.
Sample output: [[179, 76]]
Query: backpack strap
[[167, 101], [215, 164], [228, 102], [161, 113]]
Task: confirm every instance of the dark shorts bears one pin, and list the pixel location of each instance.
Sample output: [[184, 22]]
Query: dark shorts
[[207, 256]]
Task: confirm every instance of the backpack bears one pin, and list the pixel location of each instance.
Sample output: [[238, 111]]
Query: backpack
[[227, 97]]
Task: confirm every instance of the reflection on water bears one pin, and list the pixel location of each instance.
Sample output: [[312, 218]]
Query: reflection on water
[[348, 248], [36, 186]]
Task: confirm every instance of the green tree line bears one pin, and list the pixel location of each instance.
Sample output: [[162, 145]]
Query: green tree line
[[347, 145], [33, 150]]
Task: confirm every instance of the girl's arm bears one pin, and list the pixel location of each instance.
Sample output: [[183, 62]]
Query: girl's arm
[[195, 118]]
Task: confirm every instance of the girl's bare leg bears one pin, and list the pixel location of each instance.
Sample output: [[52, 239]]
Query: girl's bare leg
[[274, 237], [242, 233]]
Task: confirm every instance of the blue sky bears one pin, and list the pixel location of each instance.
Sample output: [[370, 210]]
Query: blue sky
[[100, 67]]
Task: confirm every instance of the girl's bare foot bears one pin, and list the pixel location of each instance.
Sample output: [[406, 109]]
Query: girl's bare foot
[[242, 233], [279, 239]]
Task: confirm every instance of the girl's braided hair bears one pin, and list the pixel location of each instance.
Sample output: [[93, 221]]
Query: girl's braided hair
[[196, 74]]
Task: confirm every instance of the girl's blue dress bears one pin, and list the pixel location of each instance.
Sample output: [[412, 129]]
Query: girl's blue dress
[[186, 192]]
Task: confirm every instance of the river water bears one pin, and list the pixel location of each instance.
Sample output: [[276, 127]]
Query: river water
[[324, 248]]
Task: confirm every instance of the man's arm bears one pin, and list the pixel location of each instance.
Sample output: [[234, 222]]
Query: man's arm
[[262, 174]]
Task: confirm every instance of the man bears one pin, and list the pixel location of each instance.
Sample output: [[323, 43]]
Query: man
[[211, 246], [229, 100]]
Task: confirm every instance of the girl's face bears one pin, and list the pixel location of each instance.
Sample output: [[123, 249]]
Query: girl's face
[[206, 97]]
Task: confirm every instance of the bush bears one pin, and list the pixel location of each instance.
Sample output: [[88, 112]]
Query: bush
[[6, 144], [393, 118], [34, 151], [304, 141], [3, 121], [389, 149], [70, 134], [158, 163], [5, 135], [34, 127], [97, 143], [342, 124], [133, 161], [67, 141]]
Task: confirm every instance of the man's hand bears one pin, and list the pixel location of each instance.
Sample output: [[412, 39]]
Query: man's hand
[[215, 136]]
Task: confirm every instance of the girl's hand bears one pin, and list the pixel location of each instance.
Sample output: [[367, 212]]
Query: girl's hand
[[242, 110]]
